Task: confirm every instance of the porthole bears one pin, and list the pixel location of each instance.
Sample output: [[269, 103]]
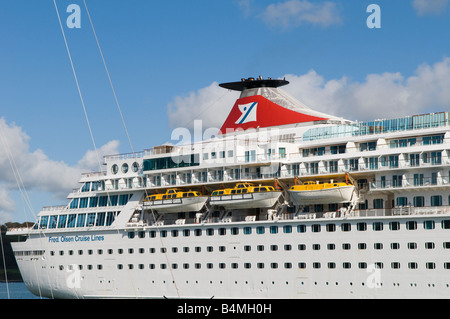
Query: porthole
[[125, 168], [114, 169], [135, 167]]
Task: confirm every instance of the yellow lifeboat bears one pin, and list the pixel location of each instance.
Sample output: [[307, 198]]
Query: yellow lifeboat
[[311, 193], [245, 195], [176, 201]]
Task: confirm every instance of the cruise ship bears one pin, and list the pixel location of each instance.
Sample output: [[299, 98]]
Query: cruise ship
[[285, 202]]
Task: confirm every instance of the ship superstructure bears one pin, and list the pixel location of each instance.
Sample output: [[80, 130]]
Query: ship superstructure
[[285, 202]]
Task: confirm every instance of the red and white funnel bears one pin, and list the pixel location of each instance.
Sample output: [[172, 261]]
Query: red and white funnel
[[262, 104]]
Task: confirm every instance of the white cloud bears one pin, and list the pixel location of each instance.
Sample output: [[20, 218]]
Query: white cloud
[[91, 161], [6, 203], [293, 13], [382, 95], [36, 170], [245, 6], [210, 104], [425, 7]]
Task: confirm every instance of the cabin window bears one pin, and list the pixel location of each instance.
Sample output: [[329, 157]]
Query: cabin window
[[110, 218], [428, 224], [100, 219], [81, 220], [315, 228], [346, 227], [44, 222], [62, 221], [411, 225], [445, 224], [86, 187], [331, 227], [71, 221], [74, 203], [361, 226], [103, 200], [301, 228], [378, 203], [90, 220], [394, 226], [377, 226], [84, 202], [172, 162], [93, 202], [52, 222], [402, 201], [123, 199], [436, 200], [287, 229]]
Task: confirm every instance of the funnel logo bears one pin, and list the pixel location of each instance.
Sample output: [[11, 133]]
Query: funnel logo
[[248, 113]]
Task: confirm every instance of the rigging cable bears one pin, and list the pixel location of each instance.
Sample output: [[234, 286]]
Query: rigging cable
[[78, 85], [4, 262], [109, 77], [127, 133], [79, 91], [20, 186]]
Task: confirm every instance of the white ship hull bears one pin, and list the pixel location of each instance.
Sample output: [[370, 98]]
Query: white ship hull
[[393, 243], [177, 205], [292, 265], [246, 201], [323, 196]]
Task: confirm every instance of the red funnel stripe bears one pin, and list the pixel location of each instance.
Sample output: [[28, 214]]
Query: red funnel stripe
[[268, 114]]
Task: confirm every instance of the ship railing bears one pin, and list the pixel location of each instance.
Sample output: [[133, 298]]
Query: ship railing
[[218, 199], [93, 174], [121, 157], [161, 202], [20, 229], [380, 212], [409, 123], [53, 208], [285, 217], [418, 181]]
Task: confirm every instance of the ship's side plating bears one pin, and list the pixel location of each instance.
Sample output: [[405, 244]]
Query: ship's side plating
[[388, 239]]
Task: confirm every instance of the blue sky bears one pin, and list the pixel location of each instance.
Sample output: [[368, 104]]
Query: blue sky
[[166, 58]]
